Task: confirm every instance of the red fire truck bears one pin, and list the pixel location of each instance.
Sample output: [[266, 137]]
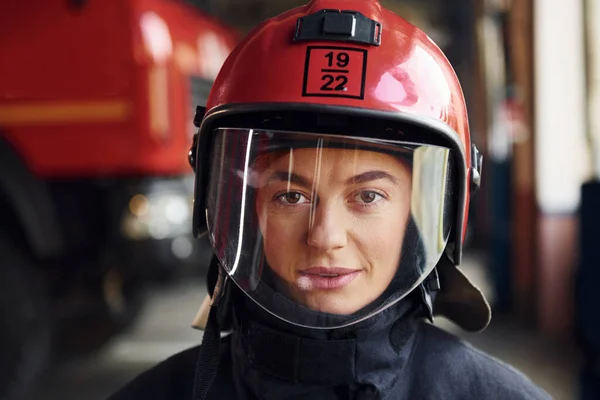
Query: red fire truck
[[96, 107]]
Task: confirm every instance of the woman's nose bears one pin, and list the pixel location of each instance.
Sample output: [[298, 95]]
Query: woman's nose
[[326, 229]]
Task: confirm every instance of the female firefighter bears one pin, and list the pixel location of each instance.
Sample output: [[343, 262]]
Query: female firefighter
[[334, 170]]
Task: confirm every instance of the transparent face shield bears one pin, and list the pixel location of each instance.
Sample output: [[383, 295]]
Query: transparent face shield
[[324, 231]]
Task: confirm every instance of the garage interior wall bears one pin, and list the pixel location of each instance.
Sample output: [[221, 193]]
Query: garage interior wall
[[592, 13], [561, 157]]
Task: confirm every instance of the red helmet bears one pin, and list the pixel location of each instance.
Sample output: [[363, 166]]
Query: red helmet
[[355, 69]]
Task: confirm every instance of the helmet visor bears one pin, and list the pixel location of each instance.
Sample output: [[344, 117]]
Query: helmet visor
[[322, 230]]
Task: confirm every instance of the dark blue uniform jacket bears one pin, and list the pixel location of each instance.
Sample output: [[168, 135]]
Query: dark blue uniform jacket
[[395, 355]]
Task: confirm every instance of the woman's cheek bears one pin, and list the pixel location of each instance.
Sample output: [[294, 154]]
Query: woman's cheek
[[386, 245], [279, 240]]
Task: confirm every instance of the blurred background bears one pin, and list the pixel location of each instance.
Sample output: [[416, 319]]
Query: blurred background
[[99, 276]]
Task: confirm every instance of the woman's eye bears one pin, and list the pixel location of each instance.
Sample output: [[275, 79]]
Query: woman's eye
[[292, 198], [368, 196]]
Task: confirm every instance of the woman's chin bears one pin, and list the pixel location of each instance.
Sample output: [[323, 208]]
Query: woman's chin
[[332, 304]]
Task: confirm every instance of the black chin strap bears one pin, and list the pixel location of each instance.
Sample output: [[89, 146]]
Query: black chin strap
[[428, 291], [208, 357]]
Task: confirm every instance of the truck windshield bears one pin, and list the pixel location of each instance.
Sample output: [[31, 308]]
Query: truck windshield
[[203, 5]]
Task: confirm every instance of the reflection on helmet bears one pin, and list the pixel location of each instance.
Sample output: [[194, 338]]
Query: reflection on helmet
[[432, 183]]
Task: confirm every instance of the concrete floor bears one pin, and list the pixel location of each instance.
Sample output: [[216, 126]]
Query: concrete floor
[[163, 329]]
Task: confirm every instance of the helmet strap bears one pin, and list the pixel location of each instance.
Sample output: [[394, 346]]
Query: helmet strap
[[428, 290], [208, 356]]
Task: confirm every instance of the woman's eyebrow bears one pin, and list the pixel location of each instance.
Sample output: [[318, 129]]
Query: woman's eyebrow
[[371, 176], [286, 176], [368, 176]]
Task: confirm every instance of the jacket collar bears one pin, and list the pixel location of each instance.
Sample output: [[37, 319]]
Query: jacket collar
[[275, 360]]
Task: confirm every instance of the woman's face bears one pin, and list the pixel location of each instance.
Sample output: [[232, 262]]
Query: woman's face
[[333, 223]]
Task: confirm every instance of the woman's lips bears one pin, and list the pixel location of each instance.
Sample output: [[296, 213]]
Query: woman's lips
[[326, 277]]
